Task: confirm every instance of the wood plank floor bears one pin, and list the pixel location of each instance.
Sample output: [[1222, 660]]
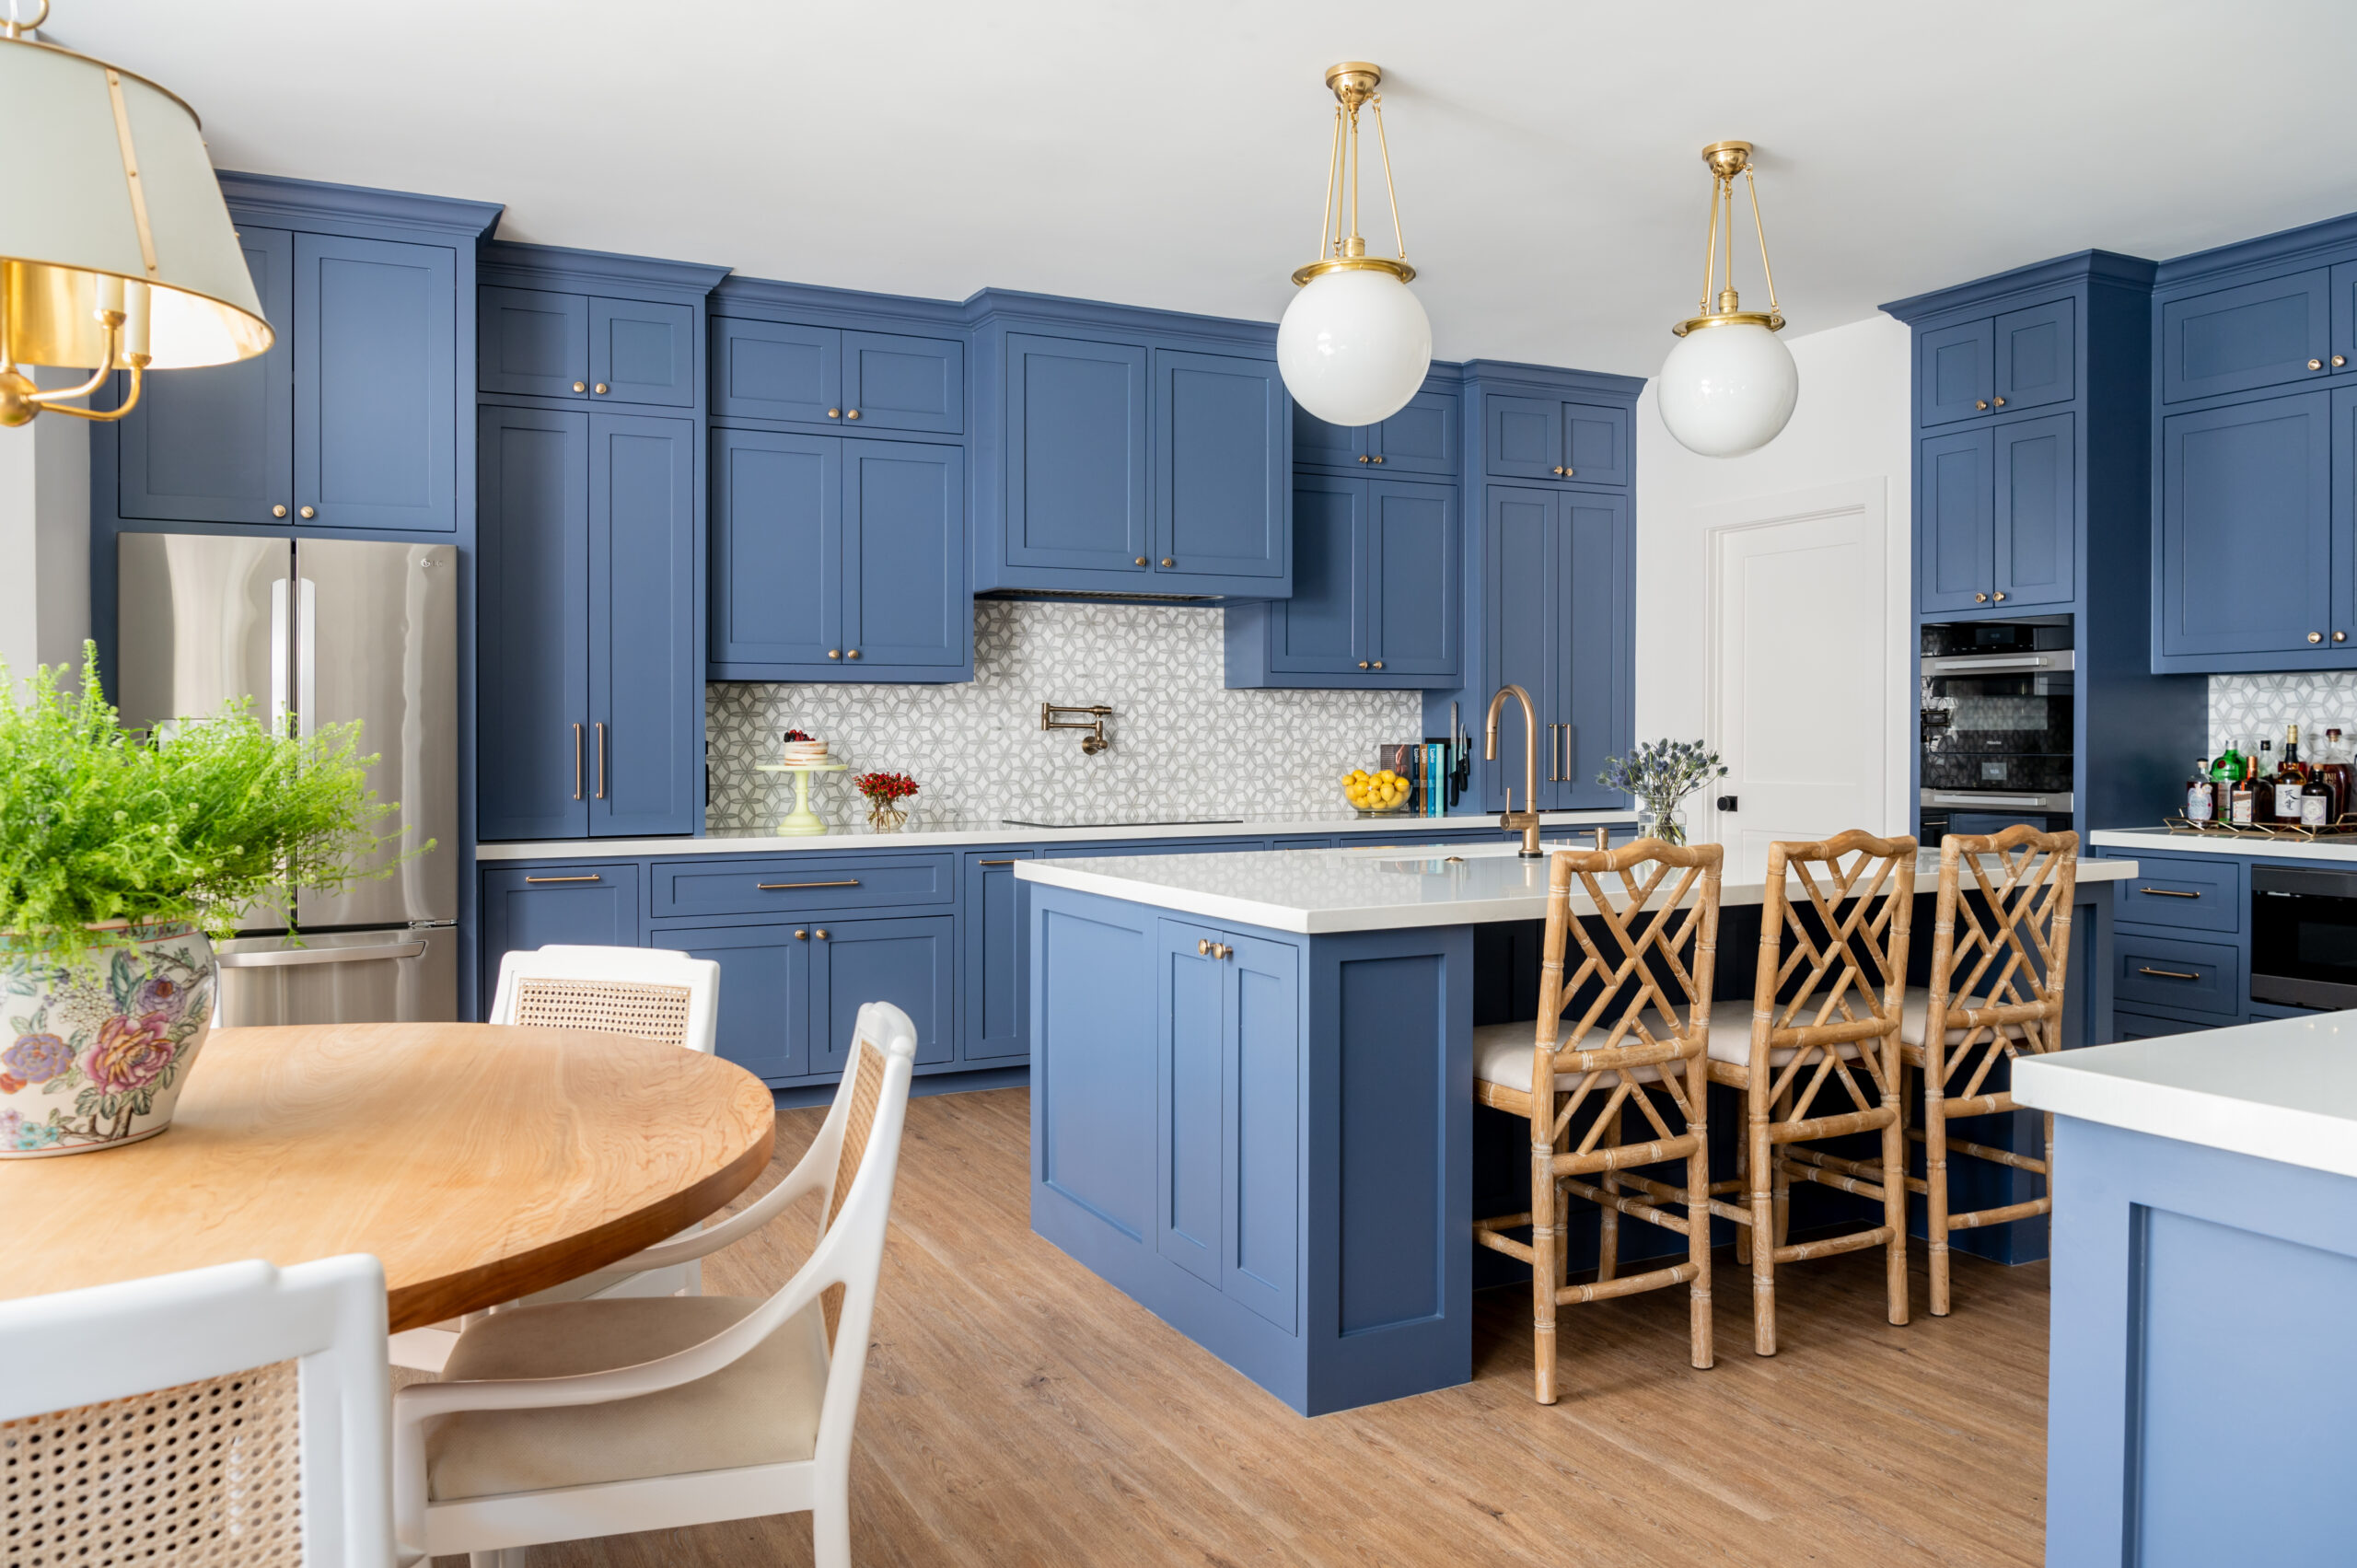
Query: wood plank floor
[[1019, 1411]]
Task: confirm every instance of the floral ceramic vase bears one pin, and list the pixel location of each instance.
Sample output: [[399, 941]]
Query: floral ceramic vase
[[95, 1056]]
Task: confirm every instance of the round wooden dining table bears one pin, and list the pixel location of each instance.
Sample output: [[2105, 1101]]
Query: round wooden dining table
[[479, 1163]]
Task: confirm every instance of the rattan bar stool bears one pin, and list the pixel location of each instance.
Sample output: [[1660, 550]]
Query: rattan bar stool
[[1824, 1015], [1620, 1035], [2000, 952]]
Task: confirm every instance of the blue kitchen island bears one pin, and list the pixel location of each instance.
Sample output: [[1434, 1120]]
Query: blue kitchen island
[[1252, 1091]]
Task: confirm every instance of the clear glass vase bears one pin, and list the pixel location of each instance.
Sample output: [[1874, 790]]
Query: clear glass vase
[[1668, 825], [885, 817]]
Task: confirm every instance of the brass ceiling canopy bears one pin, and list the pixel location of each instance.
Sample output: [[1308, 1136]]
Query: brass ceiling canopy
[[1355, 84], [1726, 161]]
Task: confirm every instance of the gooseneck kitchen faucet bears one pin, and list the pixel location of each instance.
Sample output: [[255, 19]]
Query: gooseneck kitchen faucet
[[1524, 821]]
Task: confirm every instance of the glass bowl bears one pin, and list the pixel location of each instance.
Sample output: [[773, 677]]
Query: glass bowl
[[1391, 803]]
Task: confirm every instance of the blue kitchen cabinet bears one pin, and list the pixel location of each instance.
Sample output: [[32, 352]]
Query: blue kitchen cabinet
[[839, 560], [1075, 461], [1223, 474], [587, 715], [1555, 621], [800, 373], [908, 961], [1422, 438], [216, 445], [1997, 364], [1555, 439], [642, 351], [551, 344], [765, 999], [2343, 313], [2033, 526], [593, 904], [2255, 334], [1955, 510], [1955, 372], [1376, 595], [895, 382], [376, 392], [2248, 543], [995, 986], [1517, 614]]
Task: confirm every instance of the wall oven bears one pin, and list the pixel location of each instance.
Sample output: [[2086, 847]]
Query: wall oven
[[1997, 710], [2304, 937]]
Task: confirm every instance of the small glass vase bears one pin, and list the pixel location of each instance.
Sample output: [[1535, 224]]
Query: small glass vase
[[885, 817], [1668, 825]]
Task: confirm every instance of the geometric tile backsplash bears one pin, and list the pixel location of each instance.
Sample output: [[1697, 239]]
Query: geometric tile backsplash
[[2248, 709], [1182, 743]]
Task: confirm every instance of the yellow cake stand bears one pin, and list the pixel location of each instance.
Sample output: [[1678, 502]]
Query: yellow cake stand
[[803, 820]]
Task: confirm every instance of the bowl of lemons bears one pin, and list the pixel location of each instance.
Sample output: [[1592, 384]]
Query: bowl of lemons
[[1379, 794]]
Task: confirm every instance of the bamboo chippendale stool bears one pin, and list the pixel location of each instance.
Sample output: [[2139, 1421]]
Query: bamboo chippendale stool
[[1636, 1073], [1824, 1015], [1996, 992]]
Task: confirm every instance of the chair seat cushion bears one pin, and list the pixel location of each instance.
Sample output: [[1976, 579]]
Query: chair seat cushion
[[1731, 1035], [1916, 1017], [761, 1409], [1501, 1054]]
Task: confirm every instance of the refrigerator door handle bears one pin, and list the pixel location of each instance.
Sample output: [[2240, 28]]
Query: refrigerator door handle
[[282, 958], [281, 651], [307, 649]]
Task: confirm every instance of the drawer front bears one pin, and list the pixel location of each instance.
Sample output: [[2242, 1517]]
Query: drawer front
[[2179, 977], [2128, 1025], [803, 883], [2191, 894]]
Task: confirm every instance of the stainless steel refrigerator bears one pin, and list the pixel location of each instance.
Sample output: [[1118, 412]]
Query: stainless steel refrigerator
[[324, 632]]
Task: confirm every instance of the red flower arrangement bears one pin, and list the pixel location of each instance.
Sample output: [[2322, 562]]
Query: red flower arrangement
[[885, 789]]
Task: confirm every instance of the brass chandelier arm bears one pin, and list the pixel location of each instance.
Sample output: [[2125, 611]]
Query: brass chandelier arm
[[1383, 143], [1340, 244], [1723, 306], [1761, 230], [21, 399], [1327, 244], [1710, 254], [48, 401]]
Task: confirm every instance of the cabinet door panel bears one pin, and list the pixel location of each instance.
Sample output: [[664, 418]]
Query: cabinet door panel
[[906, 600], [1596, 444], [764, 1022], [376, 345], [908, 962], [1420, 439], [2245, 527], [1075, 454], [898, 383], [1954, 378], [776, 370], [2260, 334], [2037, 490], [216, 445], [1321, 630], [1955, 507], [1523, 437], [1592, 648], [643, 351], [777, 547], [531, 340], [1411, 563], [1193, 1050], [532, 633], [997, 1019], [2037, 355], [2343, 311], [1315, 441], [593, 905], [645, 684], [1261, 1163], [1518, 604], [1222, 465]]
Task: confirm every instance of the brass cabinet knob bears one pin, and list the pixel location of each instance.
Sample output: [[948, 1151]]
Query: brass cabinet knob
[[1980, 599], [1363, 457], [2315, 636], [2341, 636], [834, 414], [820, 934], [850, 413], [1378, 460], [1168, 562], [2316, 365], [1141, 560], [834, 653], [278, 511], [581, 386], [1378, 664], [2001, 402], [2001, 599], [1980, 403], [854, 652], [1204, 945], [309, 512], [2339, 360], [1558, 470], [801, 936], [1362, 664], [601, 388]]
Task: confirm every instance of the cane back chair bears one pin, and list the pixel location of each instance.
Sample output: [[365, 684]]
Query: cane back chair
[[1620, 1035], [1825, 1014], [2000, 952]]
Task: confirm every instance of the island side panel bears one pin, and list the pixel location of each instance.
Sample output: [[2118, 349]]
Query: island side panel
[[2200, 1367]]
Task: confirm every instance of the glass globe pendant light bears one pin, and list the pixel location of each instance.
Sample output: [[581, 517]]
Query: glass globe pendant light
[[116, 249], [1730, 385], [1354, 344]]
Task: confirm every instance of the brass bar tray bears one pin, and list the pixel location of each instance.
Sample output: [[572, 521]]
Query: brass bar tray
[[2266, 833]]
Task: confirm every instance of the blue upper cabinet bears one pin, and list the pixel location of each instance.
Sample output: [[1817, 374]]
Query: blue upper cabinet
[[1075, 461], [903, 383], [794, 373], [1954, 507], [1555, 439], [647, 742], [2256, 334], [908, 610], [217, 445], [1421, 439], [2249, 536], [777, 551], [1375, 594], [376, 406], [548, 343], [642, 351], [2033, 526], [1955, 375], [1222, 477], [2036, 356]]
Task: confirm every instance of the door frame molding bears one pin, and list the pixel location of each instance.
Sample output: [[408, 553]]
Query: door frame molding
[[1868, 498]]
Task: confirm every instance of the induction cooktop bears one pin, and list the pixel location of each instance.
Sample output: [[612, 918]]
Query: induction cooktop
[[1115, 819]]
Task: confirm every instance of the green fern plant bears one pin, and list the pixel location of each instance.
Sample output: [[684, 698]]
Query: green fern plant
[[194, 824]]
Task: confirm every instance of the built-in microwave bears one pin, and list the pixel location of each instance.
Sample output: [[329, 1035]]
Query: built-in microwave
[[2304, 937], [1997, 711]]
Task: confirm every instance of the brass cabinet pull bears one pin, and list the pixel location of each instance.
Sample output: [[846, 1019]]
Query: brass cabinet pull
[[834, 653], [1362, 664], [1204, 944], [2168, 893], [2339, 360], [310, 512], [777, 887], [601, 388], [2316, 365], [1211, 949], [1378, 460], [1563, 740], [581, 386], [993, 862], [834, 414], [1141, 560], [601, 761], [2001, 599], [850, 652], [278, 511], [1378, 664], [2341, 636], [801, 934], [820, 934], [2001, 402], [1980, 403], [848, 414], [561, 878], [1363, 457], [1571, 473], [2315, 636], [577, 761], [1168, 562], [2165, 974], [1558, 470], [1980, 599]]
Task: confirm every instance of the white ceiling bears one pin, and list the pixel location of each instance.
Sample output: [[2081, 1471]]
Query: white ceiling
[[1169, 153]]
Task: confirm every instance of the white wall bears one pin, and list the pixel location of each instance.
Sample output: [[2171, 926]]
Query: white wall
[[44, 543], [1852, 425]]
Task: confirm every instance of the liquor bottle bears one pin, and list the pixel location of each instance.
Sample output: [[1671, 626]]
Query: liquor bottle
[[2315, 803], [2263, 779], [2241, 805], [2227, 769], [2290, 776], [2337, 772], [2201, 805]]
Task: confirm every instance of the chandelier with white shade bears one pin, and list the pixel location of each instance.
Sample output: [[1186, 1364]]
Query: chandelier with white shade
[[1355, 343], [116, 249], [1730, 385]]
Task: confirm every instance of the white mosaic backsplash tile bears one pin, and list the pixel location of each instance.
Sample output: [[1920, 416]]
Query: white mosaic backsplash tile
[[2248, 709], [1182, 743]]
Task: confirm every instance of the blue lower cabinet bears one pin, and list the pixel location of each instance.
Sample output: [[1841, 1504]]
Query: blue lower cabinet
[[909, 962], [2172, 975], [2195, 892], [765, 1012], [995, 984], [2127, 1024], [593, 905]]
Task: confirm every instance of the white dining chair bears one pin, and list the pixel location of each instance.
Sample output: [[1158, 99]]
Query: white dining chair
[[605, 1416], [657, 994], [235, 1414]]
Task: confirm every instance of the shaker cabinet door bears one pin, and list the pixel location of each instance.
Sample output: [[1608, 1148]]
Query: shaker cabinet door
[[1419, 439], [647, 719], [532, 635], [777, 567], [764, 1014], [2246, 532], [642, 352], [1519, 603], [997, 1017], [776, 370], [2036, 511], [531, 340], [1412, 551], [909, 962], [1076, 459], [1222, 466], [907, 602], [2259, 334], [1321, 630], [1954, 373], [2036, 356], [1593, 686], [1188, 1218], [901, 383], [375, 344], [1955, 512]]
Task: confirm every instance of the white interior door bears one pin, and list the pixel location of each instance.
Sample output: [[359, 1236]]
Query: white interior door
[[1799, 662]]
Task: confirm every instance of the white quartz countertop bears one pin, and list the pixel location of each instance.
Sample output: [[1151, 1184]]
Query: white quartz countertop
[[2283, 1090], [1320, 892], [995, 831], [2160, 840]]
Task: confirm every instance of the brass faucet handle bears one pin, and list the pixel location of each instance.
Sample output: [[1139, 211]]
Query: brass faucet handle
[[1517, 821]]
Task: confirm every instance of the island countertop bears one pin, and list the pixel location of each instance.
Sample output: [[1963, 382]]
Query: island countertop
[[1322, 892]]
